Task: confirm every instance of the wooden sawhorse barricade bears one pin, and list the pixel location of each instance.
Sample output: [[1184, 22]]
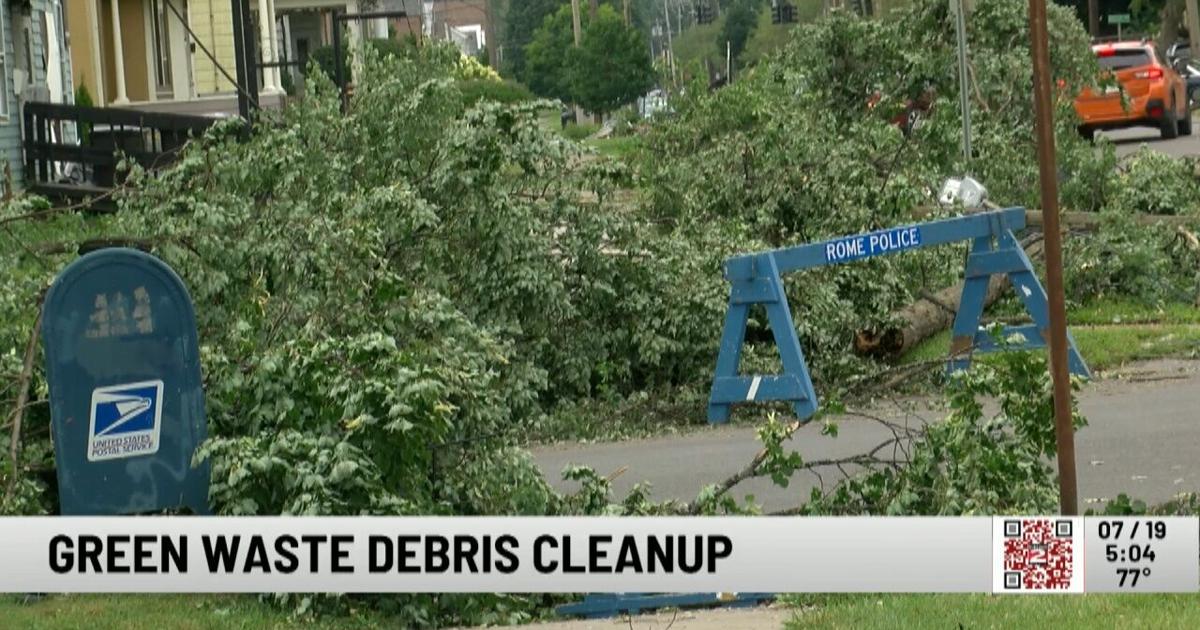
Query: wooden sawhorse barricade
[[756, 279]]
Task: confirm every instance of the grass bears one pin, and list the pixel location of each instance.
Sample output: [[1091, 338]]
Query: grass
[[621, 148], [150, 612], [989, 611], [1112, 333], [199, 612]]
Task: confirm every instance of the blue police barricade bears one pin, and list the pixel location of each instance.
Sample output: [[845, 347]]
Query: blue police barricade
[[756, 280], [126, 401]]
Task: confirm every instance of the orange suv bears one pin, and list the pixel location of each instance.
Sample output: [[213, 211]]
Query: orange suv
[[1156, 94]]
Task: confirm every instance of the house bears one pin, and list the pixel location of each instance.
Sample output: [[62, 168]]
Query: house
[[166, 55], [34, 66], [154, 71], [467, 23]]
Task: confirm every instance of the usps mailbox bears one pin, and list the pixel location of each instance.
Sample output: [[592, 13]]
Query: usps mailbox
[[126, 401]]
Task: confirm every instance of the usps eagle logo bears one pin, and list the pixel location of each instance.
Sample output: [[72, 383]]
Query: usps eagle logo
[[125, 420]]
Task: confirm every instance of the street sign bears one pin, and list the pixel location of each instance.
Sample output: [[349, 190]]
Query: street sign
[[1118, 18], [126, 402]]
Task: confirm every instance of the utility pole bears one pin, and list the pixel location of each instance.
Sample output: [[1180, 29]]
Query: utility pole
[[1094, 16], [959, 9], [1064, 430], [493, 39], [670, 46], [577, 26], [728, 63]]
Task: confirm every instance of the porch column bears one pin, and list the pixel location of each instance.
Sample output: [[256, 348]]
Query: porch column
[[118, 55], [266, 22], [277, 75]]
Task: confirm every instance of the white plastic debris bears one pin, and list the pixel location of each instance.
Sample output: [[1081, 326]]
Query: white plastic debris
[[965, 191]]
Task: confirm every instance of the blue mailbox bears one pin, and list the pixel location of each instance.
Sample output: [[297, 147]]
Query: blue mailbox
[[126, 400]]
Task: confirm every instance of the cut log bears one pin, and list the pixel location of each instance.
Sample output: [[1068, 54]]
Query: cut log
[[931, 314]]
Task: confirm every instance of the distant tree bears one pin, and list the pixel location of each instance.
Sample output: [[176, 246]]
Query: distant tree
[[546, 70], [521, 20], [740, 20], [612, 65]]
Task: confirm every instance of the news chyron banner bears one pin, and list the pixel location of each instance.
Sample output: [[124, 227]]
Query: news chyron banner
[[599, 554]]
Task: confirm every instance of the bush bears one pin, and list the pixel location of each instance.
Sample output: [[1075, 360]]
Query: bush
[[1151, 182], [504, 92], [1123, 258], [322, 58], [580, 131]]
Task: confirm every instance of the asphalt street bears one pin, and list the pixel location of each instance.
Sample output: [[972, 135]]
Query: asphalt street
[[1143, 439], [1130, 140]]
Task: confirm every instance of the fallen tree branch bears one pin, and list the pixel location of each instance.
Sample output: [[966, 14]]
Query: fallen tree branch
[[18, 414], [79, 205], [750, 470], [753, 469], [930, 314], [83, 247], [1085, 221], [1193, 244]]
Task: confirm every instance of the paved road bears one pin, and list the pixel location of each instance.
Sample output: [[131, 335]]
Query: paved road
[[1129, 140], [1143, 438]]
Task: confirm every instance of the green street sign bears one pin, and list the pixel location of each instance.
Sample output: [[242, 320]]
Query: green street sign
[[1118, 18]]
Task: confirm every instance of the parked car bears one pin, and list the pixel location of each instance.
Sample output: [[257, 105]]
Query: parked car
[[1179, 51], [1180, 56], [1191, 74], [1148, 92]]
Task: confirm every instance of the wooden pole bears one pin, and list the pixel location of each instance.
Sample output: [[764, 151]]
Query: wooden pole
[[493, 38], [577, 26], [1064, 429], [670, 46], [1094, 17]]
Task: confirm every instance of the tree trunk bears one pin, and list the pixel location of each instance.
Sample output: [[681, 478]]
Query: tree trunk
[[1172, 15], [927, 316]]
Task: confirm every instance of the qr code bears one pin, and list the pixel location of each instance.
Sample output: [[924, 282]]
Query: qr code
[[1039, 554]]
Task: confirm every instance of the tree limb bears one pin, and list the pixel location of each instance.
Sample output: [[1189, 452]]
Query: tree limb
[[18, 414]]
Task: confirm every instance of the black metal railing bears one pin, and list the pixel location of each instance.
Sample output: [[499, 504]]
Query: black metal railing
[[103, 134]]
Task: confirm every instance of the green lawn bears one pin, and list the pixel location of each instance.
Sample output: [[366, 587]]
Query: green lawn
[[152, 612], [620, 148], [864, 612], [1112, 333]]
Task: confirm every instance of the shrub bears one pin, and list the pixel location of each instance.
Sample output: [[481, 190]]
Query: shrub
[[505, 92], [579, 131]]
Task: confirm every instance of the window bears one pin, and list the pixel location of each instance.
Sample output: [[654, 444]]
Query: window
[[1120, 59], [160, 33]]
